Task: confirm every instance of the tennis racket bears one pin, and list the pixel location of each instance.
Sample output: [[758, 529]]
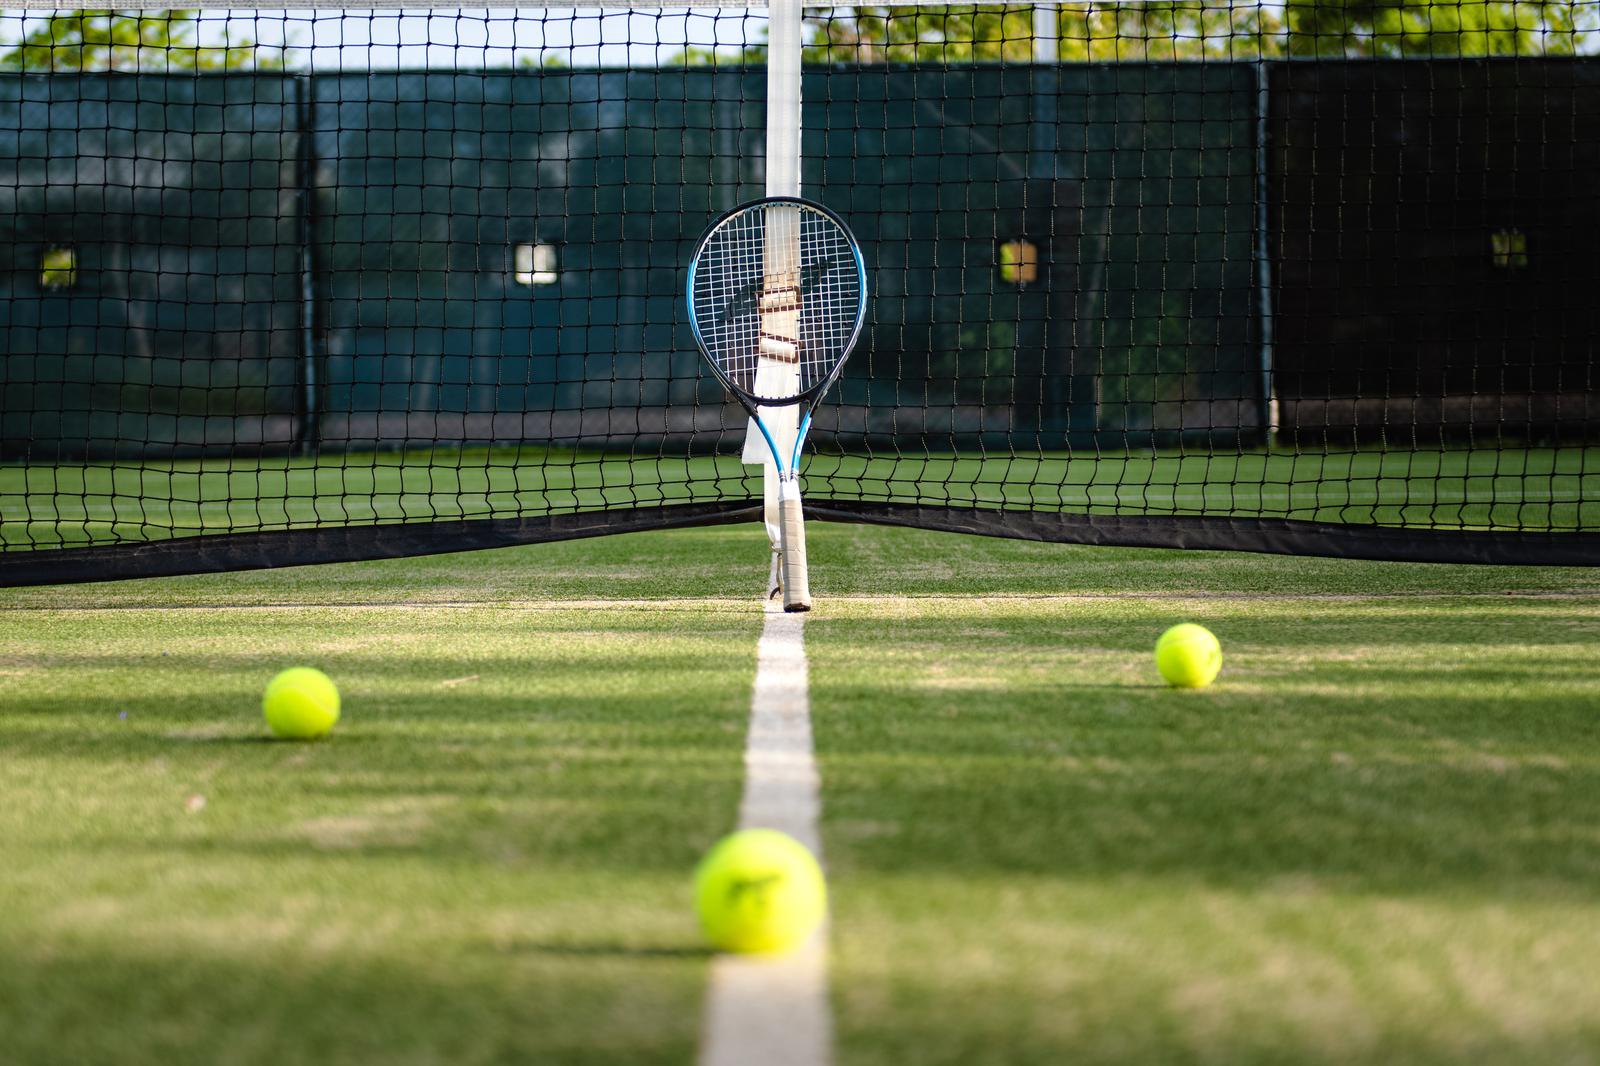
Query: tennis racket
[[777, 293]]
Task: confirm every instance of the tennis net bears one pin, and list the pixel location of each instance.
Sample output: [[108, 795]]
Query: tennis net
[[301, 285]]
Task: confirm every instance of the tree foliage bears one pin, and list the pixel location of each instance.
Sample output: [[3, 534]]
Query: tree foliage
[[1439, 28], [1156, 30], [1101, 31], [1086, 31], [1168, 30], [696, 55], [90, 41]]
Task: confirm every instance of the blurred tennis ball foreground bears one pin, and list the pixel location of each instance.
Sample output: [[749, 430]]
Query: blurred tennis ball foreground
[[759, 891]]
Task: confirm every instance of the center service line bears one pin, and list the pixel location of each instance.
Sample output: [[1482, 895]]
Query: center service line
[[774, 1011]]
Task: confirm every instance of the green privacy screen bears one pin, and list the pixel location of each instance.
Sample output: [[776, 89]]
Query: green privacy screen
[[360, 233], [262, 317], [1435, 229], [150, 231]]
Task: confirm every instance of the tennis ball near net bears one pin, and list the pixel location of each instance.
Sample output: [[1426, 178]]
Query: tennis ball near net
[[301, 704], [1188, 656], [759, 892]]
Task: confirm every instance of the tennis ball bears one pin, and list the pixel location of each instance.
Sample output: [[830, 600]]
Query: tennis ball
[[759, 891], [1188, 656], [301, 703]]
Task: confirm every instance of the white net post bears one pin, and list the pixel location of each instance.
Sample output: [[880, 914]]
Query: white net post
[[777, 376], [1046, 34]]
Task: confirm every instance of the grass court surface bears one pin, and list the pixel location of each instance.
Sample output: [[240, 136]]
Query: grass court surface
[[1374, 840]]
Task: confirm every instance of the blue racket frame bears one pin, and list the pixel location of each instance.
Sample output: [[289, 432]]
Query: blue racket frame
[[751, 403]]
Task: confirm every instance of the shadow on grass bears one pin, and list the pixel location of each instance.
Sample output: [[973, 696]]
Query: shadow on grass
[[1430, 790], [345, 737], [607, 950], [115, 1002]]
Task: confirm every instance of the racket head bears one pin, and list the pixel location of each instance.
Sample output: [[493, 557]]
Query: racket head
[[778, 282]]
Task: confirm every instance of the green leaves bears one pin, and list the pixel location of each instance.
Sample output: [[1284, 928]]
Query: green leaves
[[93, 41], [1163, 30]]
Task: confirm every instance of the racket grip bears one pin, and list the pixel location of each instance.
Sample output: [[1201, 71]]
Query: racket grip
[[792, 523]]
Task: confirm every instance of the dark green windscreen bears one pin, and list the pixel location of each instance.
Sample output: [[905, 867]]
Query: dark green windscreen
[[150, 265], [227, 261]]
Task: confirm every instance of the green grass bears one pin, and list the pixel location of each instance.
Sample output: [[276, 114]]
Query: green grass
[[1375, 841], [1372, 841], [486, 865], [1536, 488]]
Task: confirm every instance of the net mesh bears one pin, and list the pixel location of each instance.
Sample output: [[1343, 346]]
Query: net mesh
[[282, 286]]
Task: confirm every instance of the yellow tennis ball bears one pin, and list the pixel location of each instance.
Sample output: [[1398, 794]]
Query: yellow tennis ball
[[301, 703], [759, 891], [1188, 656]]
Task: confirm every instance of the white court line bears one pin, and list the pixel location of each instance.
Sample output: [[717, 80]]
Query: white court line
[[774, 1011]]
